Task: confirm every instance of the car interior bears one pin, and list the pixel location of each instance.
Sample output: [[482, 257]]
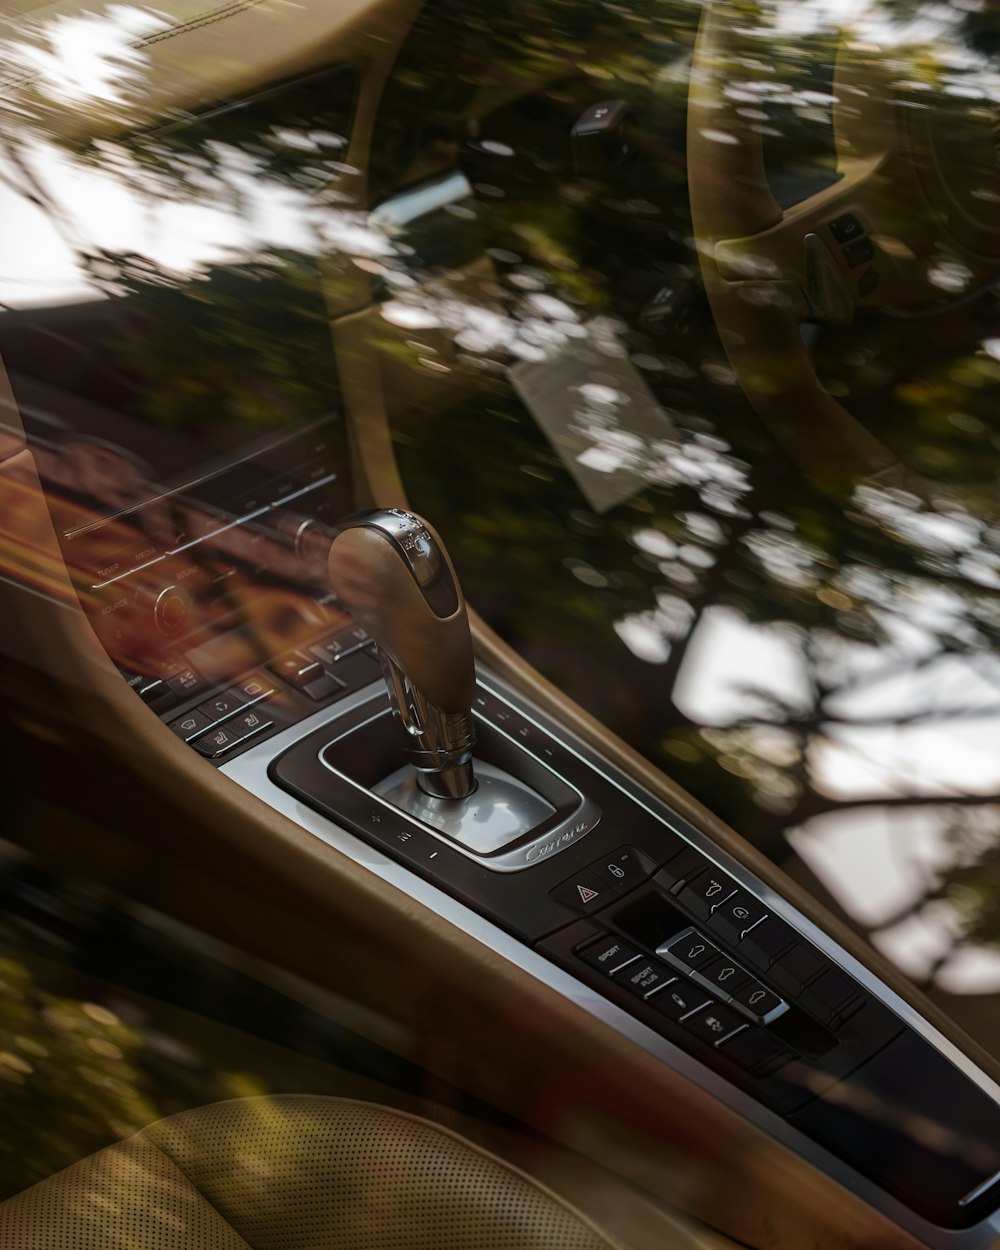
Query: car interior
[[499, 566]]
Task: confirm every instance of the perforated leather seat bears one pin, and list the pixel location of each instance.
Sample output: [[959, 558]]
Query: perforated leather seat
[[297, 1172]]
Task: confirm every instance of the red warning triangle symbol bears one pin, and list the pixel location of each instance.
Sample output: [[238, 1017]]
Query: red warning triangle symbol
[[586, 894]]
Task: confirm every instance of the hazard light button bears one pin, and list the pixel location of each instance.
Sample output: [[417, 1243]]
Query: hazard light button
[[585, 892]]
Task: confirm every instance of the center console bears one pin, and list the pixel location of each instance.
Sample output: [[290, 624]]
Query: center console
[[451, 785], [615, 899]]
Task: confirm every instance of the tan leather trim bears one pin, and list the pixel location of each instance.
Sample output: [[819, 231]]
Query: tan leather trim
[[204, 55]]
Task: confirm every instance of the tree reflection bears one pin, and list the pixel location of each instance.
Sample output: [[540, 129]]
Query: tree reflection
[[778, 651]]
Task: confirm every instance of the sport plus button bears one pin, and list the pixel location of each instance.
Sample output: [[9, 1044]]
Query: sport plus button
[[645, 977], [585, 893]]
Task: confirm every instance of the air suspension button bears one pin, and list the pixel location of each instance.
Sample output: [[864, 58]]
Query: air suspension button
[[691, 949]]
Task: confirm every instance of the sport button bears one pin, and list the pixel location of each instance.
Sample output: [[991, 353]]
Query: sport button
[[608, 954]]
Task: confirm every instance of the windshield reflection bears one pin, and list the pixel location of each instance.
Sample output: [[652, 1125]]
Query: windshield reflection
[[817, 665]]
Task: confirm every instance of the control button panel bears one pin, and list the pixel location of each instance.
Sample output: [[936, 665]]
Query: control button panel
[[728, 981], [732, 1025], [687, 1000], [216, 722], [767, 949], [700, 959], [230, 717], [595, 886]]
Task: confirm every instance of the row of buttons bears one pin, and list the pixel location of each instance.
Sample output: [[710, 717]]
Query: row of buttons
[[236, 698], [311, 670], [686, 1003], [596, 884], [766, 943], [170, 683], [694, 954], [231, 734], [232, 713], [228, 711]]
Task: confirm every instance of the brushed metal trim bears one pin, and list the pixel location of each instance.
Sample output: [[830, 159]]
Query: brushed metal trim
[[584, 818], [250, 770]]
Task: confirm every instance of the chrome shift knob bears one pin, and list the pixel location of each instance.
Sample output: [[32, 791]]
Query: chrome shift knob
[[392, 573]]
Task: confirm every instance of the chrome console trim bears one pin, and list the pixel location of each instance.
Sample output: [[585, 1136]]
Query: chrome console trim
[[584, 817], [250, 770]]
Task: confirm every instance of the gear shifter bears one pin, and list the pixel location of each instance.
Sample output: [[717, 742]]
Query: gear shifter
[[392, 573]]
